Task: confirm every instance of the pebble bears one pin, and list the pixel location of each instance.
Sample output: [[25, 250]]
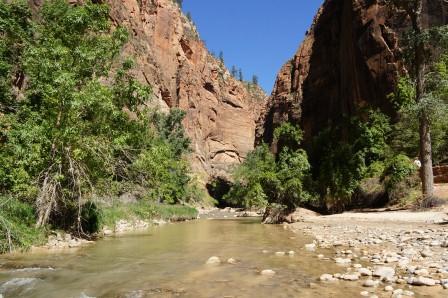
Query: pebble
[[342, 261], [268, 272], [389, 289], [327, 277], [421, 272], [213, 261], [364, 293], [421, 281], [350, 277], [291, 252], [310, 247], [370, 283], [384, 272], [365, 272], [426, 253], [232, 261], [408, 293], [280, 253]]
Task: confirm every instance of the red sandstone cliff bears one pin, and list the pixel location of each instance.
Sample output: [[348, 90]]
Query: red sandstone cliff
[[221, 111], [350, 59]]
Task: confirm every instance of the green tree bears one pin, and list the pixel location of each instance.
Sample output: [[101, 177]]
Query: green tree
[[221, 57], [421, 48], [263, 179], [78, 129], [15, 30]]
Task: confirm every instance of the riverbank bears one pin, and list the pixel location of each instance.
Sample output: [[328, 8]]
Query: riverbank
[[108, 220], [388, 254]]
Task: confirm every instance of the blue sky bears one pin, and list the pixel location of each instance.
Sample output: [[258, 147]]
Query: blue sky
[[258, 36]]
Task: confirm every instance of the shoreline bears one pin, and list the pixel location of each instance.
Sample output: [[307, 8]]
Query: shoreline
[[388, 254]]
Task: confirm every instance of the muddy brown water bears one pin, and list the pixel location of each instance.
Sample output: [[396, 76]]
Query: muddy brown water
[[169, 261]]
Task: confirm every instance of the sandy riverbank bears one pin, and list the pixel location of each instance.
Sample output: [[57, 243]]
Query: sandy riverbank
[[389, 254]]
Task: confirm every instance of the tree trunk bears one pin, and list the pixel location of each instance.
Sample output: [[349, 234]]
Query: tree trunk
[[424, 131]]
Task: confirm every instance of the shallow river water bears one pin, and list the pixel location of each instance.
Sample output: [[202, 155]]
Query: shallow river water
[[169, 261]]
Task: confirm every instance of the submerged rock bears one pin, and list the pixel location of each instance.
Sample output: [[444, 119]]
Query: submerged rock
[[267, 272], [327, 277], [213, 261], [310, 247], [17, 283]]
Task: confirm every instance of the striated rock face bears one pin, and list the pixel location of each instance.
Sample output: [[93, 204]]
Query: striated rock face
[[221, 111], [350, 59]]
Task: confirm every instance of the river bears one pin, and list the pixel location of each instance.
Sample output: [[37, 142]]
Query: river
[[170, 261]]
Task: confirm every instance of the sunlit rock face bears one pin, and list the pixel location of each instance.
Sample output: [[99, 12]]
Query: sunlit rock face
[[350, 59], [221, 112]]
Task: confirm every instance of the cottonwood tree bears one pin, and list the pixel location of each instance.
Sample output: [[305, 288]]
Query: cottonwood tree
[[423, 45]]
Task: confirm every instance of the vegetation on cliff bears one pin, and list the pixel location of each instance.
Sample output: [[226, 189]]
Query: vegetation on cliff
[[76, 127]]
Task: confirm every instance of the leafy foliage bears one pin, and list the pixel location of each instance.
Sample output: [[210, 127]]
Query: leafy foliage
[[80, 128], [341, 164], [17, 229], [405, 138], [263, 180]]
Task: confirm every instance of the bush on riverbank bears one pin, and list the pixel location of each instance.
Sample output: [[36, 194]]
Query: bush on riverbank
[[17, 226], [264, 179]]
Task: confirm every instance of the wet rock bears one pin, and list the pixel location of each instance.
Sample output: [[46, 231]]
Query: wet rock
[[421, 281], [159, 222], [268, 272], [310, 247], [364, 293], [342, 261], [408, 293], [17, 283], [388, 289], [384, 272], [365, 272], [232, 261], [107, 232], [213, 261], [350, 277], [370, 283], [280, 253], [327, 277]]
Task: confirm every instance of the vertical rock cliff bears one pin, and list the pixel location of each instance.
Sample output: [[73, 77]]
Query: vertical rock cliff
[[221, 112], [350, 59]]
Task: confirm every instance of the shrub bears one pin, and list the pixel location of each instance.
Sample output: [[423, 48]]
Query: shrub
[[263, 179], [17, 226], [400, 177]]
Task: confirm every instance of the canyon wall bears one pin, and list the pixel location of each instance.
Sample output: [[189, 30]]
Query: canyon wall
[[350, 59], [221, 112]]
